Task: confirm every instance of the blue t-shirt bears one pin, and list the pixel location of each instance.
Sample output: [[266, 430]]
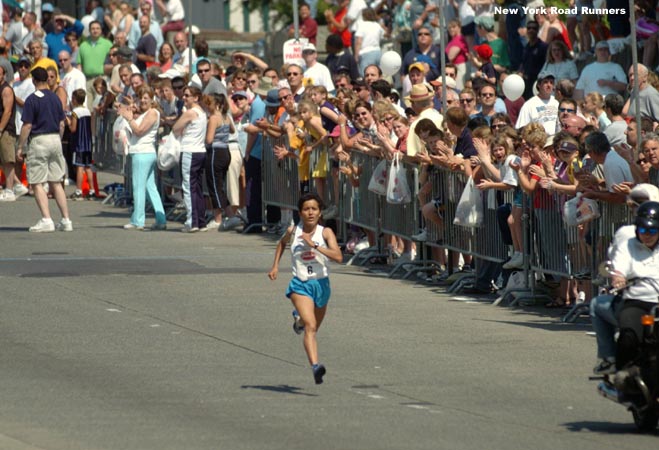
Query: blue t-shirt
[[56, 41], [43, 109], [256, 112]]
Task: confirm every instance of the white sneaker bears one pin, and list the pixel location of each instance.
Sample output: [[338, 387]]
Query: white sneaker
[[64, 225], [7, 196], [132, 226], [420, 237], [230, 223], [187, 229], [515, 262], [20, 190], [43, 226], [213, 225]]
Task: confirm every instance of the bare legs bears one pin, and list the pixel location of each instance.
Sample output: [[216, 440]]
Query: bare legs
[[312, 317]]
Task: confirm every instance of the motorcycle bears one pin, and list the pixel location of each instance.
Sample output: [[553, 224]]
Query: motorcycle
[[636, 386]]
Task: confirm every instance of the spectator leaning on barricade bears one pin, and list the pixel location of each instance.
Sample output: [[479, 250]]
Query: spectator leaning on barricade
[[421, 99], [647, 95], [43, 123], [616, 170], [13, 187]]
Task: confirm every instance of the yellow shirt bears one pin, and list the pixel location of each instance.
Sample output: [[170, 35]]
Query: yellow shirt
[[46, 63]]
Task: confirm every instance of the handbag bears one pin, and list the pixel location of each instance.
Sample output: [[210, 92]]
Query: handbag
[[169, 152], [398, 191], [580, 210], [120, 133], [469, 212], [378, 182]]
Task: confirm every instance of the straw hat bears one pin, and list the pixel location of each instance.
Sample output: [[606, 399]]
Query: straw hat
[[419, 93]]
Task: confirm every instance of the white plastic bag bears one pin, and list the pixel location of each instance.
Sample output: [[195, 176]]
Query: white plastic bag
[[120, 133], [398, 192], [169, 152], [579, 210], [378, 182], [469, 212]]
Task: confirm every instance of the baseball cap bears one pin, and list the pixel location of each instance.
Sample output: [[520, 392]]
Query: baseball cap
[[239, 94], [567, 146], [484, 51], [544, 75], [309, 48], [47, 7]]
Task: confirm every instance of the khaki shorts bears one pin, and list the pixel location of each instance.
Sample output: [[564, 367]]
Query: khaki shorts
[[45, 161], [7, 148]]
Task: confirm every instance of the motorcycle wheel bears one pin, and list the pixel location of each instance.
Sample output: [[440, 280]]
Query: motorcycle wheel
[[647, 420]]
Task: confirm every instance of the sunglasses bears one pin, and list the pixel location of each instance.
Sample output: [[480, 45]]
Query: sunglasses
[[389, 119], [567, 110], [252, 81], [285, 97], [423, 34], [293, 74], [240, 79], [203, 70], [496, 126], [358, 89], [487, 95], [466, 100], [647, 230], [641, 161]]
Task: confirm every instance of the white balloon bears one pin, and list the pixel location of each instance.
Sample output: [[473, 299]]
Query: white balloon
[[513, 87], [86, 20], [390, 63]]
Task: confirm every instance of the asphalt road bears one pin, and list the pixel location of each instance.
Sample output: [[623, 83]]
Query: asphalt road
[[114, 339]]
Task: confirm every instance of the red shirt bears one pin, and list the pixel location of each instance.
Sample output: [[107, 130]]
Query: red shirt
[[346, 35]]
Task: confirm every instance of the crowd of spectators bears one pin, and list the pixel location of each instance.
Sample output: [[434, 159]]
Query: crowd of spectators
[[570, 132]]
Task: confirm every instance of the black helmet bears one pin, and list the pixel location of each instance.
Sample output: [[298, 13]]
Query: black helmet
[[647, 215]]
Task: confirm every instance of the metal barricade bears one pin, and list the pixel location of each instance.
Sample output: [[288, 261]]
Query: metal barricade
[[281, 185]]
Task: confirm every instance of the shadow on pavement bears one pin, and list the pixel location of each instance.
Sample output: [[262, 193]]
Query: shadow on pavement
[[281, 388]]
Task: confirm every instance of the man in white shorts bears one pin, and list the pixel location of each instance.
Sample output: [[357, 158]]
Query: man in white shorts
[[43, 124]]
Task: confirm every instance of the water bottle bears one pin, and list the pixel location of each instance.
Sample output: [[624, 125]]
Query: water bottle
[[581, 297]]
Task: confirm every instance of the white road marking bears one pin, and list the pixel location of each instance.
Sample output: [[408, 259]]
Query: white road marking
[[113, 310]]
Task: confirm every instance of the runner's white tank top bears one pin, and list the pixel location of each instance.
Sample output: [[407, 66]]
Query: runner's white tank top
[[308, 263]]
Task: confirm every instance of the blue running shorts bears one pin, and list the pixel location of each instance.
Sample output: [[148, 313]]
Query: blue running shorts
[[317, 290]]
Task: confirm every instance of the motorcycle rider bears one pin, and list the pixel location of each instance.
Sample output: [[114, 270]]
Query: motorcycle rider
[[634, 253]]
